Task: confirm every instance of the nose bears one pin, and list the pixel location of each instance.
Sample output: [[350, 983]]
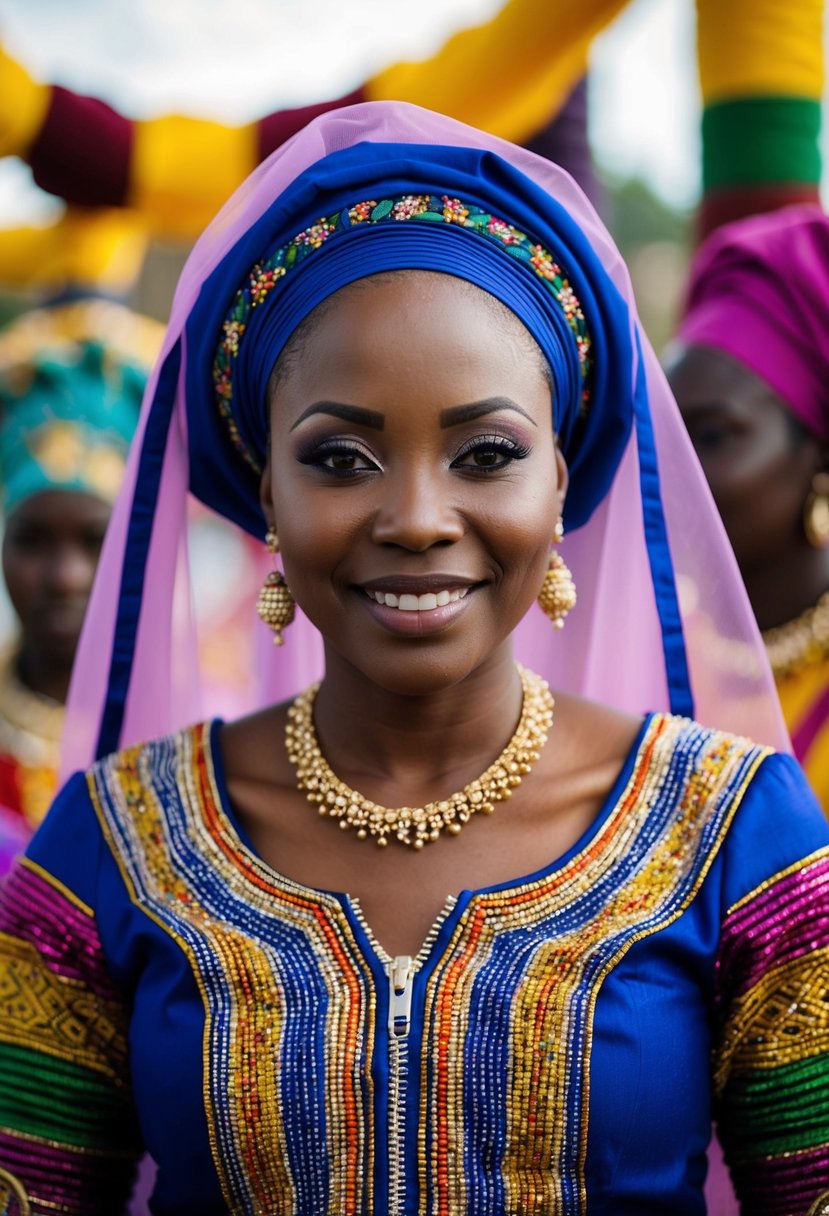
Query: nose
[[416, 512], [71, 570]]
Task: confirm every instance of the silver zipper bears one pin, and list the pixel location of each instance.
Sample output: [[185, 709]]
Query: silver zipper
[[400, 972]]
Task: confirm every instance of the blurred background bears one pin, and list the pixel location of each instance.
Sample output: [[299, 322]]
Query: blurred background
[[235, 61]]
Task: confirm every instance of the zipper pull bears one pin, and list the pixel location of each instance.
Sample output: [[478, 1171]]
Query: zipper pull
[[400, 971]]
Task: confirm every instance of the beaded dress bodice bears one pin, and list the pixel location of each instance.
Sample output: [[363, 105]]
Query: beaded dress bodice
[[549, 1045]]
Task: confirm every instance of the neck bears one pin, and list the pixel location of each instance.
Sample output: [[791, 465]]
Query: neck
[[407, 750], [781, 590], [47, 677]]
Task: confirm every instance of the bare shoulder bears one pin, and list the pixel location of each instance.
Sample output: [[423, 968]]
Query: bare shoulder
[[594, 735], [588, 748]]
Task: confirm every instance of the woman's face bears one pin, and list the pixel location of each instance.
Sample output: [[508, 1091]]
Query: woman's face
[[759, 469], [414, 481], [51, 547]]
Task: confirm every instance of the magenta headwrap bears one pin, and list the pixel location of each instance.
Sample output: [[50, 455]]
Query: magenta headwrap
[[759, 291]]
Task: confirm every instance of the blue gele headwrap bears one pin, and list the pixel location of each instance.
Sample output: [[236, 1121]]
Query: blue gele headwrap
[[591, 439]]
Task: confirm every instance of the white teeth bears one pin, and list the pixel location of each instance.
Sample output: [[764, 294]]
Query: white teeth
[[418, 603]]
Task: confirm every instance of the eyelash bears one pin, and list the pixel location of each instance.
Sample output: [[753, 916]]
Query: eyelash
[[507, 449], [318, 455]]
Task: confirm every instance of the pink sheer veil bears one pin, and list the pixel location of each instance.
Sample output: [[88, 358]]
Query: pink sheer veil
[[611, 648]]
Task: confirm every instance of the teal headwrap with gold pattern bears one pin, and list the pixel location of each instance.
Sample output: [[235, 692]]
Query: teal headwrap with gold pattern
[[71, 382]]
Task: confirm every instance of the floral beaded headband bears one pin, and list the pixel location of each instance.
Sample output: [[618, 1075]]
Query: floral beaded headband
[[428, 208]]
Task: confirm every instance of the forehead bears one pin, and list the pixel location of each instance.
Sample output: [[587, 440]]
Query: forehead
[[60, 511], [703, 375], [390, 314]]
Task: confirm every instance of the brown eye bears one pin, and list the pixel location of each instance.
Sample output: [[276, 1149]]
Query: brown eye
[[489, 453], [339, 458]]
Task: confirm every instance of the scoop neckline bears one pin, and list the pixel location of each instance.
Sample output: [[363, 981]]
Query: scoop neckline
[[242, 843]]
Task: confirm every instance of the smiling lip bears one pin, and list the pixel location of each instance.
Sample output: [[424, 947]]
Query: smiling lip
[[418, 593], [417, 606], [407, 601]]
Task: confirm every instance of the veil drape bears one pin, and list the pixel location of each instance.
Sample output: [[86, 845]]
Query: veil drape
[[656, 535]]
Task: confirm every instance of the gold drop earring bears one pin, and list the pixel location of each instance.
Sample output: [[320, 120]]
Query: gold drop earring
[[816, 512], [558, 591], [275, 604]]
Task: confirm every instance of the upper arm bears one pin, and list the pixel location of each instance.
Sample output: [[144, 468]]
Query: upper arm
[[771, 1064], [67, 1127]]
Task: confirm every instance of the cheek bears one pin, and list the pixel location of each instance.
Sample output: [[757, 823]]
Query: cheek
[[760, 480], [22, 573], [519, 530], [317, 530]]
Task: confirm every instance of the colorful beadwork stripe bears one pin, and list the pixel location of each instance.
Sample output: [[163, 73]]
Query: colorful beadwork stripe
[[64, 1089], [548, 945], [420, 208], [773, 977], [45, 988], [278, 972]]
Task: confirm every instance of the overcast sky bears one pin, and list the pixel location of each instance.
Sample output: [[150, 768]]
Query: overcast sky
[[237, 59]]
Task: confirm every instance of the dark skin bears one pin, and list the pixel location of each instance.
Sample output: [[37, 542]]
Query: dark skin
[[418, 488], [760, 464], [51, 546]]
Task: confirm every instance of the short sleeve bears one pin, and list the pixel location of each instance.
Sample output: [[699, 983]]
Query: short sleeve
[[771, 1063], [68, 1136]]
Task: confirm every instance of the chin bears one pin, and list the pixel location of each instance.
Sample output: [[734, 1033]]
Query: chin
[[426, 670]]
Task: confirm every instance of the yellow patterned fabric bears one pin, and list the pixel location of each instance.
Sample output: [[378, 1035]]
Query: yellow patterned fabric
[[102, 248], [804, 698], [509, 75]]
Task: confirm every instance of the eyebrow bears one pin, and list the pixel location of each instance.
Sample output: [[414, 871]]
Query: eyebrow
[[477, 409], [453, 416], [350, 413]]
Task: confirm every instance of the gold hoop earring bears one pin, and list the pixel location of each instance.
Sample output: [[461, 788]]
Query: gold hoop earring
[[275, 604], [557, 596], [816, 512]]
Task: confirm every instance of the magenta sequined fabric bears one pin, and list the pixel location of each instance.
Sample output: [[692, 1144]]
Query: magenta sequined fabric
[[67, 1136], [773, 981]]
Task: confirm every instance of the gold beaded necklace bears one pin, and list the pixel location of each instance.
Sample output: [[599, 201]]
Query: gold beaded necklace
[[801, 642], [417, 826]]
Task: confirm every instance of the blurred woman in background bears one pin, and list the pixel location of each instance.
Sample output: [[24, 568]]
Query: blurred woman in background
[[750, 371], [71, 382]]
